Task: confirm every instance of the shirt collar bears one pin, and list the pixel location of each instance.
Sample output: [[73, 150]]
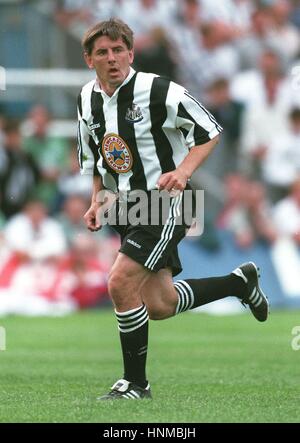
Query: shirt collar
[[97, 87]]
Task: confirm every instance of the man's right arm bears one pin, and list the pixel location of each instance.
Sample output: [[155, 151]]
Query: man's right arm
[[92, 216], [88, 167]]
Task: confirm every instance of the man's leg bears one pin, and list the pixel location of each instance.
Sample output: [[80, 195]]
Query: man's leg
[[126, 279], [165, 298]]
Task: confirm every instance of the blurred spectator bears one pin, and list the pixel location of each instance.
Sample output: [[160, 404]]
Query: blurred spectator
[[70, 11], [79, 14], [268, 98], [230, 12], [266, 84], [88, 277], [260, 212], [33, 235], [270, 28], [2, 149], [247, 213], [71, 181], [285, 35], [2, 123], [71, 217], [109, 246], [105, 9], [254, 42], [281, 162], [50, 153], [295, 16], [143, 16], [189, 13], [18, 171], [33, 247], [204, 51], [287, 213], [218, 57], [72, 223], [157, 56], [153, 51], [2, 222], [228, 113], [183, 30], [234, 215], [2, 161]]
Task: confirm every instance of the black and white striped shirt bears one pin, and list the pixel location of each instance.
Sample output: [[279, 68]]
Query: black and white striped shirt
[[143, 130]]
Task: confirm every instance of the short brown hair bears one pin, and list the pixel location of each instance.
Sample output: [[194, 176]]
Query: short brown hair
[[113, 28]]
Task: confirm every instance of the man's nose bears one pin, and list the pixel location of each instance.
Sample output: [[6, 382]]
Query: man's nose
[[111, 56]]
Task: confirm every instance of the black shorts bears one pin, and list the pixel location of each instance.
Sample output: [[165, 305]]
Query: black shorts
[[155, 245]]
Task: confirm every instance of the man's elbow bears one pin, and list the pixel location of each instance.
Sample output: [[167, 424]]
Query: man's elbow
[[216, 139], [213, 142]]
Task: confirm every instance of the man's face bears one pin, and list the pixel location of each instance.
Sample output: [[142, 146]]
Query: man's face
[[111, 59]]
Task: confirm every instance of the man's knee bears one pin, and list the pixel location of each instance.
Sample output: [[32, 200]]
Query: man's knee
[[117, 283], [123, 287], [119, 289]]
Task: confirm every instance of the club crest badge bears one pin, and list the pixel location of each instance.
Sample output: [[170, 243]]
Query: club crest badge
[[134, 114], [116, 153]]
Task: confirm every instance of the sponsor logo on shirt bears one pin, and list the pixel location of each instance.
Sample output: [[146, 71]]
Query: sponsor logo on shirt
[[116, 153], [94, 126]]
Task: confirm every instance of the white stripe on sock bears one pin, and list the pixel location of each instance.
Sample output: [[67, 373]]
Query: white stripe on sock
[[132, 311], [191, 293], [131, 320], [181, 299], [134, 327], [185, 296]]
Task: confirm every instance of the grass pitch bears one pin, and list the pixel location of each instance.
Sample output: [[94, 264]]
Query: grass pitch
[[201, 368]]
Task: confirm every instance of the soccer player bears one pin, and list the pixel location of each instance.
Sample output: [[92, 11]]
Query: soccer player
[[139, 132]]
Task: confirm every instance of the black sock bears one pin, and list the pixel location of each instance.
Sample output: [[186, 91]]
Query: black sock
[[133, 327], [197, 292]]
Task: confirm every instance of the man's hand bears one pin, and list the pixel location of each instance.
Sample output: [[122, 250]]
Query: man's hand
[[173, 181], [92, 217]]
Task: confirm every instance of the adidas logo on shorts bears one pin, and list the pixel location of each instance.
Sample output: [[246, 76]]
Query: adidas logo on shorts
[[133, 243]]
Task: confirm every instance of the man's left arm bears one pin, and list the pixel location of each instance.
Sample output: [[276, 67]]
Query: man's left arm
[[178, 178]]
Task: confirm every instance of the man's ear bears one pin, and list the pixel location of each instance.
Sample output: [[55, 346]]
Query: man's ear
[[88, 60], [131, 56]]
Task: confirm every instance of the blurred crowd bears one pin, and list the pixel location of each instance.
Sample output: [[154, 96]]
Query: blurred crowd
[[240, 59], [49, 262]]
